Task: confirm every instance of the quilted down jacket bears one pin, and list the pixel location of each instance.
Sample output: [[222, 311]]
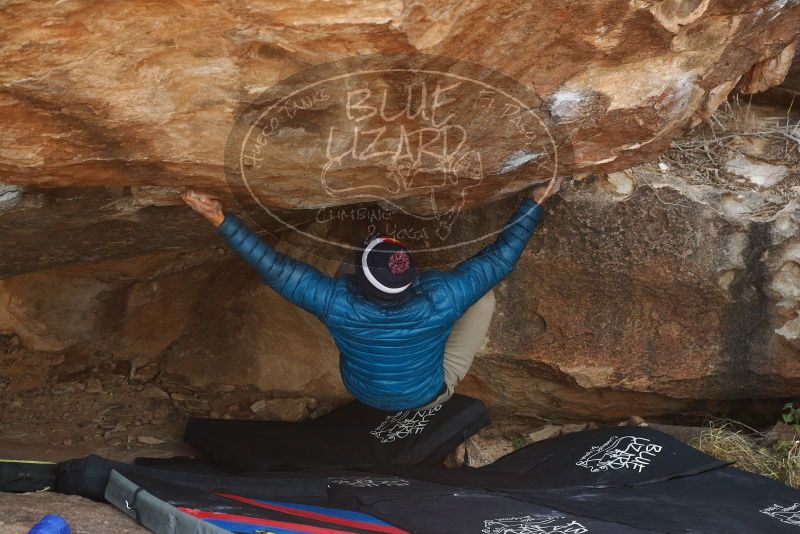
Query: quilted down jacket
[[391, 357]]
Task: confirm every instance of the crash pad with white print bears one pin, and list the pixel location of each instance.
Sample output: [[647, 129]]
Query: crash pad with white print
[[458, 512], [608, 457], [165, 507], [724, 501], [353, 436]]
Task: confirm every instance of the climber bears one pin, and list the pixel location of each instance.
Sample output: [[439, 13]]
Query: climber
[[405, 338]]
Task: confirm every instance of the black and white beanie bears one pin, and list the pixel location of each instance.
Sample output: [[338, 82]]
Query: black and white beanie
[[385, 270]]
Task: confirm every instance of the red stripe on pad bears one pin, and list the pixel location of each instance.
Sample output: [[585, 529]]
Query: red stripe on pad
[[317, 516], [200, 514]]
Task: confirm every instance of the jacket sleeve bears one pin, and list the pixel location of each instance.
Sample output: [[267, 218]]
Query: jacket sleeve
[[296, 281], [468, 281]]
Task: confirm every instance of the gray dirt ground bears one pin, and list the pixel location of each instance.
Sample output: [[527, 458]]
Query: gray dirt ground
[[18, 512]]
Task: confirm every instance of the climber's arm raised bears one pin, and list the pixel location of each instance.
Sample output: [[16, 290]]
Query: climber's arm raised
[[471, 279], [296, 281]]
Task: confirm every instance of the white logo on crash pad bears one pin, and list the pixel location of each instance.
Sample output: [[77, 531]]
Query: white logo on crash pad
[[533, 525], [367, 482], [404, 424], [787, 514], [625, 452]]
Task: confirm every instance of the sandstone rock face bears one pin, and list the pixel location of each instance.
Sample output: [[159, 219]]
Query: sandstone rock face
[[769, 72], [678, 279], [118, 107], [785, 93], [204, 318], [667, 291], [111, 94], [651, 290]]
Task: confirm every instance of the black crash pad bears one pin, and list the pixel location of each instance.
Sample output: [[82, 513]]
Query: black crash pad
[[455, 511], [612, 456], [375, 506], [19, 476], [353, 436], [594, 482], [609, 457], [725, 500], [722, 500], [165, 507], [89, 476]]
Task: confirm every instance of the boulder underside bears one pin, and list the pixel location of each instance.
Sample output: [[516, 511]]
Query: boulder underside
[[650, 288]]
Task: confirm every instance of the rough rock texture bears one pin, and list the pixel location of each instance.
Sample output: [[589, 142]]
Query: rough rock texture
[[656, 290], [678, 279], [21, 512], [501, 438], [671, 287], [786, 93], [768, 72], [668, 290], [141, 97], [109, 93]]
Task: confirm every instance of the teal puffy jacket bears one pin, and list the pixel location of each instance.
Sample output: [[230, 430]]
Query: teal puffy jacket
[[391, 356]]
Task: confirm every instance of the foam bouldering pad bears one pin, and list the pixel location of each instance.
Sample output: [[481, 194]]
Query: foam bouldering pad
[[89, 477], [166, 507], [613, 456], [22, 476], [355, 435], [450, 511], [609, 457], [593, 482], [725, 500]]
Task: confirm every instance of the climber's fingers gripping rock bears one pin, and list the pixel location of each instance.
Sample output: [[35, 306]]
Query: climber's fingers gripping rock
[[541, 192], [205, 205]]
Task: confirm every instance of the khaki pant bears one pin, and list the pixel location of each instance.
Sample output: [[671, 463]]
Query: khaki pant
[[465, 339]]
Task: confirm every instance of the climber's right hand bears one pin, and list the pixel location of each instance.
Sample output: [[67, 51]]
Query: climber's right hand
[[541, 192], [205, 205]]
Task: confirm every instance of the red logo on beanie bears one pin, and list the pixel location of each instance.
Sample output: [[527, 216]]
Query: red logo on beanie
[[399, 262]]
